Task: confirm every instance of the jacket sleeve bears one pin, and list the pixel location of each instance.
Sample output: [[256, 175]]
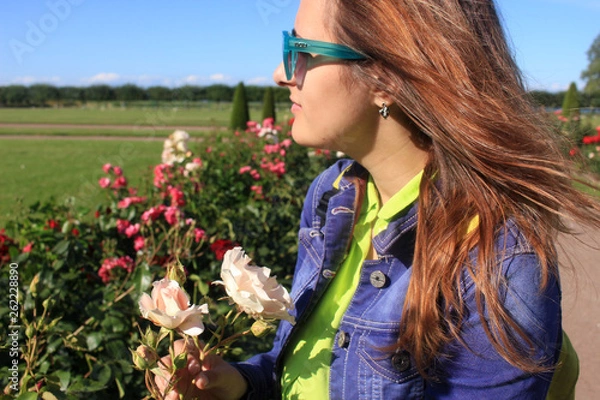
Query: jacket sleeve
[[259, 370], [475, 369]]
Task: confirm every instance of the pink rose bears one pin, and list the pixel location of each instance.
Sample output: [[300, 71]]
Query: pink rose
[[105, 271], [153, 213], [138, 243], [169, 306], [106, 168], [122, 225], [199, 234], [120, 182], [127, 201], [104, 182], [245, 169], [132, 230], [258, 190], [118, 171], [252, 289], [255, 175], [172, 215], [177, 197], [28, 247]]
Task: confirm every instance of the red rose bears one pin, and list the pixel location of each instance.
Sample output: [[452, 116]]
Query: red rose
[[220, 247]]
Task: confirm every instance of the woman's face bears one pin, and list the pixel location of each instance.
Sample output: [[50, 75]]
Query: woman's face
[[329, 112]]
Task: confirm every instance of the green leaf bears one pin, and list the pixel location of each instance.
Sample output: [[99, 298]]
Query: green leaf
[[120, 387], [61, 247], [180, 361], [98, 380], [93, 340], [142, 278], [27, 396], [20, 258], [64, 378], [203, 287]]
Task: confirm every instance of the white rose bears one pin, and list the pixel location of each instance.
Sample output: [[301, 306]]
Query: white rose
[[181, 147], [169, 306], [170, 157], [179, 136], [168, 144], [252, 289]]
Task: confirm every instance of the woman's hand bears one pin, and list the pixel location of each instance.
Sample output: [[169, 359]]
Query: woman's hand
[[211, 379]]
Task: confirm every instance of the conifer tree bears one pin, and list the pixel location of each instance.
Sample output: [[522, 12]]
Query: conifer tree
[[239, 114], [269, 104], [570, 106]]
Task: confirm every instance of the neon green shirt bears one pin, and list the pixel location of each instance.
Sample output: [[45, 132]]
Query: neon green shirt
[[308, 357]]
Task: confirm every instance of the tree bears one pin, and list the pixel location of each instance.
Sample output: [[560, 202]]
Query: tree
[[159, 93], [239, 114], [16, 95], [269, 104], [70, 95], [99, 93], [130, 92], [592, 73], [41, 94], [570, 106], [218, 92]]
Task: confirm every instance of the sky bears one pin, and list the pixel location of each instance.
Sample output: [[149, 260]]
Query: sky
[[203, 42]]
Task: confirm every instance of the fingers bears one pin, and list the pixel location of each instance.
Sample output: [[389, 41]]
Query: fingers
[[218, 374]]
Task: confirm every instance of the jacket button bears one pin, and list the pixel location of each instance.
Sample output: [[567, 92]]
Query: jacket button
[[401, 361], [343, 339], [378, 279]]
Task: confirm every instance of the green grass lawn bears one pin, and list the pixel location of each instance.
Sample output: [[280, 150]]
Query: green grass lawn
[[33, 170], [594, 120], [209, 114]]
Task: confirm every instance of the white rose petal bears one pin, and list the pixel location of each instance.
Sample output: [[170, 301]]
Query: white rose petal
[[169, 307], [253, 289]]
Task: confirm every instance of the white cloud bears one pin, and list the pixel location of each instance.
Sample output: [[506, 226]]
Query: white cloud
[[102, 77], [259, 80], [217, 77], [192, 79]]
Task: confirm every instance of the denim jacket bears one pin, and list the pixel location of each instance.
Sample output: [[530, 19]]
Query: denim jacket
[[359, 368]]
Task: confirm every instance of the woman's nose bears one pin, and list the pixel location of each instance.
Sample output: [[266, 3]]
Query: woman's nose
[[280, 78]]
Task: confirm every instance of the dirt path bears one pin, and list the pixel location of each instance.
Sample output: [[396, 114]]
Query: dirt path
[[580, 276]]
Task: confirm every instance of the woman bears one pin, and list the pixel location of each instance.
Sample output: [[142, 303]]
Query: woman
[[426, 267]]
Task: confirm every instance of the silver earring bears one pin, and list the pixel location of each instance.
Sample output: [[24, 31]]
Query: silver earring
[[384, 111]]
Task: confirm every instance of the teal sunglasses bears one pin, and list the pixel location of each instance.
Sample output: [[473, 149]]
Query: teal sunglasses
[[297, 54]]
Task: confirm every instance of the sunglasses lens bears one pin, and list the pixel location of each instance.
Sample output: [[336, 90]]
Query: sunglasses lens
[[288, 62], [301, 67]]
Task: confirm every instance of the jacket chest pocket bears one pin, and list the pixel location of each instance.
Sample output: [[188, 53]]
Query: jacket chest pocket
[[385, 375]]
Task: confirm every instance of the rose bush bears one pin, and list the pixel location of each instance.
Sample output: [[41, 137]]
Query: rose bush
[[82, 273]]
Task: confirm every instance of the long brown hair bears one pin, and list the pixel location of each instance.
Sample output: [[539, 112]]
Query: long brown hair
[[448, 67]]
